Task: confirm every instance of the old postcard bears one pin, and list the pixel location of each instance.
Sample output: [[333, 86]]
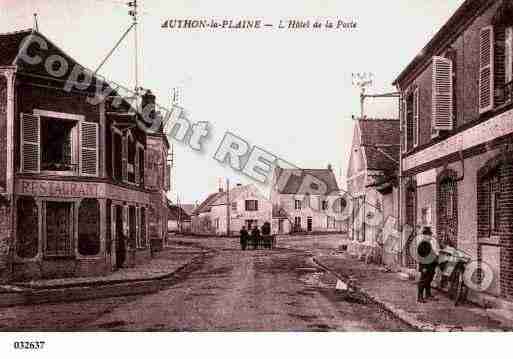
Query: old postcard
[[255, 166]]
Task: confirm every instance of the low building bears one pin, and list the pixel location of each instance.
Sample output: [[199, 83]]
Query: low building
[[226, 212], [178, 220], [372, 185], [298, 210], [80, 181]]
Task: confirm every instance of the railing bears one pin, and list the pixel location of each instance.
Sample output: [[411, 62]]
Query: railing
[[508, 92]]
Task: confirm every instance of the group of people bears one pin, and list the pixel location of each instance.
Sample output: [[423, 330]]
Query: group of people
[[254, 235]]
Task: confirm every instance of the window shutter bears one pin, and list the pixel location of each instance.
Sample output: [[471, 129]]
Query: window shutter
[[124, 158], [508, 63], [499, 57], [136, 164], [168, 177], [442, 106], [88, 148], [404, 132], [486, 73], [30, 143], [416, 122]]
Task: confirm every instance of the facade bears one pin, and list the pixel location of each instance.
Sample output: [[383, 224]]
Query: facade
[[372, 184], [457, 130], [295, 211], [243, 205], [77, 177]]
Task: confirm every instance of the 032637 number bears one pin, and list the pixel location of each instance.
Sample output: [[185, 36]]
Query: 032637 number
[[29, 345]]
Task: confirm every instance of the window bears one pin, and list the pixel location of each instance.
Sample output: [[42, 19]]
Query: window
[[117, 160], [131, 159], [58, 229], [57, 144], [142, 238], [89, 227], [251, 205], [216, 222], [494, 211], [234, 206], [141, 166], [297, 204], [324, 205], [28, 229]]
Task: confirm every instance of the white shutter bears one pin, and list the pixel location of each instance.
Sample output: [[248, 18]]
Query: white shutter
[[416, 118], [442, 102], [30, 143], [88, 148], [486, 73], [508, 63]]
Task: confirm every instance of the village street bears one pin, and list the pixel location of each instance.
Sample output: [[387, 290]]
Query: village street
[[229, 290]]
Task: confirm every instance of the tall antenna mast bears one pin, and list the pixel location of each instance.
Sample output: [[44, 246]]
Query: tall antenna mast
[[133, 12]]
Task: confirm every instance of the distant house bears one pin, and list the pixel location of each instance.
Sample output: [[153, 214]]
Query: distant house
[[178, 220], [298, 210], [243, 205], [372, 182]]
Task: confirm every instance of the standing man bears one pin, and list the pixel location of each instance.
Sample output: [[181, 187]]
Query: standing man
[[428, 261], [243, 238]]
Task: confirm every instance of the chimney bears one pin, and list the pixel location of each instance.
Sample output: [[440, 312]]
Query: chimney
[[329, 167], [221, 190], [239, 184]]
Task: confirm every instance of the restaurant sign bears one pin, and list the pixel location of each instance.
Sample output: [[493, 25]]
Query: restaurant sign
[[57, 188]]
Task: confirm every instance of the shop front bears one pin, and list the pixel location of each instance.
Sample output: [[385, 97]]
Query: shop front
[[74, 229]]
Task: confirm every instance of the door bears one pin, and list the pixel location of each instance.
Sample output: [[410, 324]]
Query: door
[[59, 229], [120, 238], [309, 224], [280, 226], [448, 212]]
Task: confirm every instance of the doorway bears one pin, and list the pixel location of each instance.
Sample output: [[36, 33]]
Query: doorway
[[120, 237]]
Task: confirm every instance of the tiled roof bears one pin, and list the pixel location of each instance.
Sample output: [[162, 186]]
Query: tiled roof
[[295, 180], [10, 45], [380, 131], [234, 193], [385, 135], [188, 208]]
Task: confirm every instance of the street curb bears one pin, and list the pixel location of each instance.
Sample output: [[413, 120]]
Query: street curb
[[394, 311], [94, 290]]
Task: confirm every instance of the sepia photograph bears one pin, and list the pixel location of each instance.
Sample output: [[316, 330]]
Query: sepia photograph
[[255, 172]]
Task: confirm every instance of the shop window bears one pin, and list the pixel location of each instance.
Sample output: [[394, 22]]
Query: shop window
[[28, 228], [59, 229], [89, 227], [132, 229], [297, 205], [142, 239], [57, 147]]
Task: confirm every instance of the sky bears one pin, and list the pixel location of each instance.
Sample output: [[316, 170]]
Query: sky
[[289, 92]]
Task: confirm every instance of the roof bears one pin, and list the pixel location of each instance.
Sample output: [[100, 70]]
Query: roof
[[188, 208], [234, 193], [381, 139], [296, 177], [176, 212], [466, 11], [206, 205], [10, 45]]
